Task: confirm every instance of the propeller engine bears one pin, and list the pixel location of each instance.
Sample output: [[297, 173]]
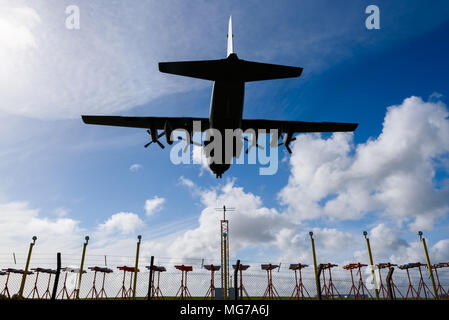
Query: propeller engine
[[189, 140], [155, 138], [168, 129], [286, 140], [253, 142]]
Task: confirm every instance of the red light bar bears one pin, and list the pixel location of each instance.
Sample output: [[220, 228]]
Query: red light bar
[[157, 268], [242, 267], [211, 267], [327, 265], [269, 266], [10, 270], [354, 266], [127, 269], [298, 266], [184, 268], [100, 269], [44, 270]]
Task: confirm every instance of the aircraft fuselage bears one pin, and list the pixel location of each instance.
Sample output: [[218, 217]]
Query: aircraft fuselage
[[226, 112]]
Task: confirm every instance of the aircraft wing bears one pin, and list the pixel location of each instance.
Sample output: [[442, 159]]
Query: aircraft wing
[[158, 123], [291, 127]]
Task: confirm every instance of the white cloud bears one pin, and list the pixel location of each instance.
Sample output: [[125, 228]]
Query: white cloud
[[135, 167], [153, 205], [122, 222], [19, 222], [332, 239], [440, 251], [186, 182], [391, 175], [435, 96], [251, 224], [199, 157]]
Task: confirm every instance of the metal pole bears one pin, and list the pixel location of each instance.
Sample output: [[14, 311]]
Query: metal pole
[[81, 267], [225, 268], [318, 283], [390, 289], [370, 255], [22, 284], [317, 279], [150, 282], [237, 267], [58, 271], [429, 266], [139, 237]]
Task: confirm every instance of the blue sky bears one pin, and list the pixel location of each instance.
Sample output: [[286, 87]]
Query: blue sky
[[66, 179]]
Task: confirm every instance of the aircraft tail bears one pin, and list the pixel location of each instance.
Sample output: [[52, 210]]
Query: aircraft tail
[[230, 38], [230, 69]]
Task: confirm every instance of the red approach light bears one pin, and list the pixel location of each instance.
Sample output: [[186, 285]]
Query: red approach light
[[184, 268], [211, 267], [127, 269], [156, 268], [241, 267], [269, 266], [298, 266]]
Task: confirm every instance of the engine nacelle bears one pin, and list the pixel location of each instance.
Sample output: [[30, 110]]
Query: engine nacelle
[[287, 139], [274, 140], [168, 129]]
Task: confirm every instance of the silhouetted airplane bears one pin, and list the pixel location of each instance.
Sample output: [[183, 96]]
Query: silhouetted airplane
[[229, 76]]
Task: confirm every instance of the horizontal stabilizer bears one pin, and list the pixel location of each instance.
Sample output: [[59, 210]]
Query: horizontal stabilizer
[[230, 69]]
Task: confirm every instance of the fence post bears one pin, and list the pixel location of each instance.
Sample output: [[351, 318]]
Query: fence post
[[150, 282], [429, 265], [237, 267], [139, 237], [58, 271], [81, 267], [390, 289], [317, 276], [370, 255], [22, 284], [318, 282]]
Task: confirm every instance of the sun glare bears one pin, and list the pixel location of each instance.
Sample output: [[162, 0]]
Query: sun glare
[[17, 26]]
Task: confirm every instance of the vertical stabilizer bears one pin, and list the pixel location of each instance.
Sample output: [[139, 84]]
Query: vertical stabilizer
[[230, 38]]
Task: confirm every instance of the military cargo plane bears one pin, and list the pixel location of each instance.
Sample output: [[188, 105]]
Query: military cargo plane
[[229, 76]]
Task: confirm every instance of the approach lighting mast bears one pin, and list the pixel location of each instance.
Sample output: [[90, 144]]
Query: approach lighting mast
[[224, 238]]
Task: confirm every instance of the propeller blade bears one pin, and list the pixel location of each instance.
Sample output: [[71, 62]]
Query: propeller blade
[[160, 144], [251, 145], [288, 149], [160, 135], [192, 142], [146, 146]]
